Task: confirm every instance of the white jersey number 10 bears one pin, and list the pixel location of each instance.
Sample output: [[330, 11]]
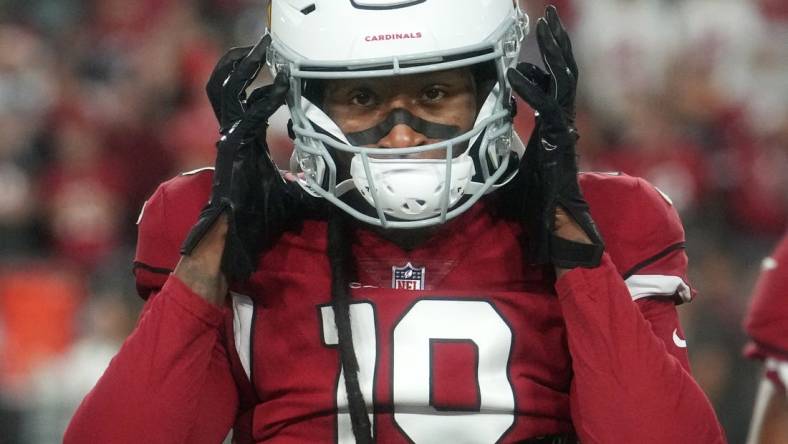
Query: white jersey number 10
[[426, 321]]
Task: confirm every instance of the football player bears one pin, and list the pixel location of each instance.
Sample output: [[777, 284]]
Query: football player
[[426, 277], [767, 326]]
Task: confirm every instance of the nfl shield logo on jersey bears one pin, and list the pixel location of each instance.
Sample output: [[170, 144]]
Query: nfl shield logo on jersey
[[407, 277]]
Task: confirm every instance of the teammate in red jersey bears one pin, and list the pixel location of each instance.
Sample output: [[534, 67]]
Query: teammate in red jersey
[[387, 294], [767, 326]]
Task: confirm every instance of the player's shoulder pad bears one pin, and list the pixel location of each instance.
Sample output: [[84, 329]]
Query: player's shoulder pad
[[639, 225], [165, 219]]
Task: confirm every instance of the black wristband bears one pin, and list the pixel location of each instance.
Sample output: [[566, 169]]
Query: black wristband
[[569, 254]]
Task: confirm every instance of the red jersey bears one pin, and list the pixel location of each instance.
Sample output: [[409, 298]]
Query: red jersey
[[767, 320], [458, 340]]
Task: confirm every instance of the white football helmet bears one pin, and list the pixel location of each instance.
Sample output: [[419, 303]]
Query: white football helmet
[[334, 39]]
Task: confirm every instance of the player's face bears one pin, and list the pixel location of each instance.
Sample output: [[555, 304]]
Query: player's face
[[447, 98]]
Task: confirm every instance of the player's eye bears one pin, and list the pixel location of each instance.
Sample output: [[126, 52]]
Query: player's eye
[[433, 94], [363, 97]]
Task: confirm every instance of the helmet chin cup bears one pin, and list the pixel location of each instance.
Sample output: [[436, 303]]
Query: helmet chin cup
[[412, 189]]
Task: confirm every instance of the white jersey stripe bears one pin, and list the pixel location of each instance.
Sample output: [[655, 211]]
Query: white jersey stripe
[[243, 310], [645, 285]]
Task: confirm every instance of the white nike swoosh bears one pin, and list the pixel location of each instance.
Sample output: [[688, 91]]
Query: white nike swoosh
[[681, 343]]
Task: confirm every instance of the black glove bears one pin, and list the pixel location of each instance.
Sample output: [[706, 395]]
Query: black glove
[[549, 167], [247, 186], [214, 88]]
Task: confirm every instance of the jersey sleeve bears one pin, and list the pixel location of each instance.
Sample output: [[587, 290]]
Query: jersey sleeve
[[766, 322], [631, 373], [171, 381], [627, 386], [643, 235]]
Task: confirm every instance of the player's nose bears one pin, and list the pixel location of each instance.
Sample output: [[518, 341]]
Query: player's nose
[[402, 136]]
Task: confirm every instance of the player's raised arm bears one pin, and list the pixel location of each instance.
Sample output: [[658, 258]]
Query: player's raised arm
[[171, 382], [627, 386]]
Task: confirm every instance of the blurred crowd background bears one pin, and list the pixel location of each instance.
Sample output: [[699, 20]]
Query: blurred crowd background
[[101, 100]]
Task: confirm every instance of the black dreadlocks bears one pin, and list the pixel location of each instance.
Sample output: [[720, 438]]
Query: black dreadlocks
[[340, 257]]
